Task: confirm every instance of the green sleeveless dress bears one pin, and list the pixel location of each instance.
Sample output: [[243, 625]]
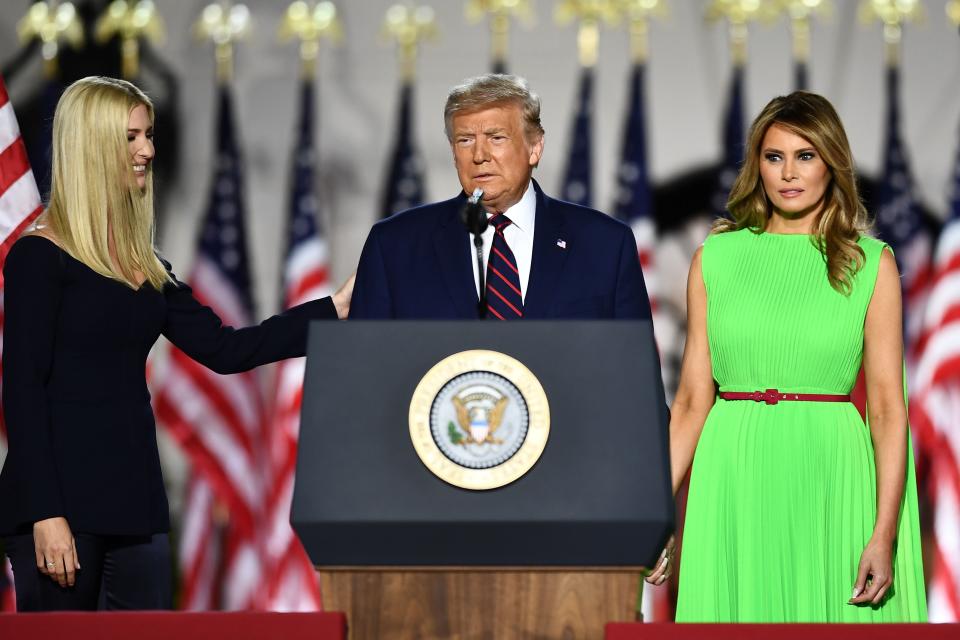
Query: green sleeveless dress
[[782, 497]]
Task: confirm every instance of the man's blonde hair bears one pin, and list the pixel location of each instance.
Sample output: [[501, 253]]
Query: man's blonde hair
[[93, 187], [490, 89]]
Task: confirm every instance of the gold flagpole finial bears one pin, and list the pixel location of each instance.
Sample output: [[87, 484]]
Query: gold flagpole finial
[[501, 13], [639, 13], [953, 11], [408, 26], [310, 22], [738, 14], [589, 14], [893, 14], [223, 23], [800, 13], [130, 20], [51, 22]]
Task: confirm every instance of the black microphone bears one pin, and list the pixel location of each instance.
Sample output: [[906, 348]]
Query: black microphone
[[474, 217]]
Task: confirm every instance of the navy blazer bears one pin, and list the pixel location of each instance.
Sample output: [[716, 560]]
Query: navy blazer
[[82, 438], [418, 264]]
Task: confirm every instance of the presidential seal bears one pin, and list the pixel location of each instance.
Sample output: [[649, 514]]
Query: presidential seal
[[479, 419]]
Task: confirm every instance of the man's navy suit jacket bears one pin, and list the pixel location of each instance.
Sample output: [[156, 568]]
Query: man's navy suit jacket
[[418, 264]]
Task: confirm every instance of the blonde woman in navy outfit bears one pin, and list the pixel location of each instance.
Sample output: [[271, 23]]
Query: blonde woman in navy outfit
[[82, 501]]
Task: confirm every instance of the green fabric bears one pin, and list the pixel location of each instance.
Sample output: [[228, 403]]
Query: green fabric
[[783, 497]]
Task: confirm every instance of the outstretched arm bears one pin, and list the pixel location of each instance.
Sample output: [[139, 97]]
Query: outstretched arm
[[199, 332]]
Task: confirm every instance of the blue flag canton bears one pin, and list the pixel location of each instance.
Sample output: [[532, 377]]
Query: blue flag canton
[[405, 178], [733, 143], [577, 181], [898, 218], [304, 204], [223, 235], [634, 197], [954, 213]]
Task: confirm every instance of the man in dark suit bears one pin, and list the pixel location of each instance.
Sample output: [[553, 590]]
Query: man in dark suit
[[543, 258]]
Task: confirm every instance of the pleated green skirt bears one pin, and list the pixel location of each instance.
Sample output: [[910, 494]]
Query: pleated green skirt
[[782, 502]]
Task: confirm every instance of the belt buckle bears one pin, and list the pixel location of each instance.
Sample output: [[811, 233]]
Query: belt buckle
[[770, 396]]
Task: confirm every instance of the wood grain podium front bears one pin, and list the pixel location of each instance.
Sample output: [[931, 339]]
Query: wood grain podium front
[[471, 603]]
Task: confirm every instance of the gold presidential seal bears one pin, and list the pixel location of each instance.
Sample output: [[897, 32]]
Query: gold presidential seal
[[479, 419]]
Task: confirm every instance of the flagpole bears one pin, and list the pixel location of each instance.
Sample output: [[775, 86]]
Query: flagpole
[[501, 14], [737, 14], [310, 22], [800, 14], [893, 15], [130, 20], [407, 26], [52, 23], [223, 23]]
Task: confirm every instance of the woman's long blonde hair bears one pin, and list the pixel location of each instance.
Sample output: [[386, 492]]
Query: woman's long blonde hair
[[93, 189], [842, 219]]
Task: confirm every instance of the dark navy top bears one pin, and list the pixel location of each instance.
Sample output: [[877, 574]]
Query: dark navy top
[[82, 439]]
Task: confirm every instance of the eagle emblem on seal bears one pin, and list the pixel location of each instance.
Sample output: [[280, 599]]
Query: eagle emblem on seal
[[479, 416]]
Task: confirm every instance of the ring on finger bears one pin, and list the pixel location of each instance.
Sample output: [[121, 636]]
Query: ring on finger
[[51, 564]]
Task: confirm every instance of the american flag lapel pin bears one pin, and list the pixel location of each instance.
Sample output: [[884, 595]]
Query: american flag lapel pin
[[561, 243]]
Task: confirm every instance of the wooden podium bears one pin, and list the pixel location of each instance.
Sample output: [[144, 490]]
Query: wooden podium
[[554, 554], [461, 603]]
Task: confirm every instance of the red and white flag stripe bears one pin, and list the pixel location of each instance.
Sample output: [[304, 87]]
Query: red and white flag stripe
[[218, 421], [293, 583]]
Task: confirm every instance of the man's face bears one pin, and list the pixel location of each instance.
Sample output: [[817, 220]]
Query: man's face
[[491, 151]]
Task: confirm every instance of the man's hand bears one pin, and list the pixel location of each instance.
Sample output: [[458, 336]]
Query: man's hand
[[341, 299], [56, 550]]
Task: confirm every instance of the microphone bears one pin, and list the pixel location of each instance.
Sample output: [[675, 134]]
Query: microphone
[[474, 216]]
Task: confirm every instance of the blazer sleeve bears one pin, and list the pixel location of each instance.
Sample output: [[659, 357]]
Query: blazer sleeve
[[198, 331], [371, 290], [32, 294], [631, 294]]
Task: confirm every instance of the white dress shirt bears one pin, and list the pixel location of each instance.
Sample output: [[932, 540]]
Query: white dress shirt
[[519, 237]]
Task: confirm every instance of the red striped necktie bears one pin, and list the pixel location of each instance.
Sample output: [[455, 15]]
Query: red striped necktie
[[504, 300]]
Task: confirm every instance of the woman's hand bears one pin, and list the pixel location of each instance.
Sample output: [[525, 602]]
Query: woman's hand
[[341, 299], [56, 550], [664, 564], [875, 574]]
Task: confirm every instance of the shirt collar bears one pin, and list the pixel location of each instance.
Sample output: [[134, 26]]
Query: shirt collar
[[522, 214]]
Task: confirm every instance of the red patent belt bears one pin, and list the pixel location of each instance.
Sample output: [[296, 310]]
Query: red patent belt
[[773, 396]]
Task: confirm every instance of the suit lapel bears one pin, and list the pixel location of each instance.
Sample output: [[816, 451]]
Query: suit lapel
[[548, 257], [451, 243]]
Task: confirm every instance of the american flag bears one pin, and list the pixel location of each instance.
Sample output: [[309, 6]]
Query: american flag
[[19, 205], [293, 584], [405, 178], [634, 205], [935, 409], [577, 184], [900, 223], [634, 196], [733, 141], [219, 420]]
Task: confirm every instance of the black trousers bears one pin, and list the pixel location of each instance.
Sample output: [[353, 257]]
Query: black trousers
[[116, 572]]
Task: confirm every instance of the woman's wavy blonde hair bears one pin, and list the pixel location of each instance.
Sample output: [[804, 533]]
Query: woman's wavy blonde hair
[[842, 219], [93, 189]]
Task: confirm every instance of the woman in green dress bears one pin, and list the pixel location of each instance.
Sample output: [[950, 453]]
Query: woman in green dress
[[797, 510]]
